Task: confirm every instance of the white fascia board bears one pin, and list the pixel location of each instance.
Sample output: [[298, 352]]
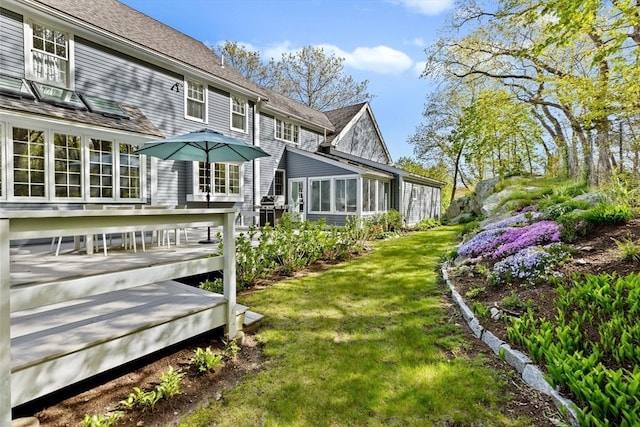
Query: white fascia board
[[27, 119], [121, 44]]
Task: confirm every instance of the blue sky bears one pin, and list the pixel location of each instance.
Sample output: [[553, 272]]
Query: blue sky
[[382, 41]]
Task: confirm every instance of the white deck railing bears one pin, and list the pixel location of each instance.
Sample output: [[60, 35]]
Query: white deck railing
[[18, 225]]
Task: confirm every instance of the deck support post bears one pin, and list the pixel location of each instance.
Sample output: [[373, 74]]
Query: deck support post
[[229, 275], [5, 326]]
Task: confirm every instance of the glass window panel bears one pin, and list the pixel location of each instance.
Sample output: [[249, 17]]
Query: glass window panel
[[129, 172], [315, 196], [372, 195], [219, 178], [28, 160], [325, 196], [238, 113], [278, 183], [381, 203], [234, 179], [352, 195], [196, 102], [341, 200]]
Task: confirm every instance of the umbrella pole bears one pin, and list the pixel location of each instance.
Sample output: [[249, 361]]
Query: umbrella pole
[[208, 169]]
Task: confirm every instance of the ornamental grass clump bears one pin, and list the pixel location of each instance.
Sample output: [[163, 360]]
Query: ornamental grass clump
[[518, 238], [531, 265]]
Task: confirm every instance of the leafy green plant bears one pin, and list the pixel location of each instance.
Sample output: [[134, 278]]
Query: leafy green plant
[[170, 382], [231, 349], [513, 302], [572, 226], [629, 249], [205, 359], [476, 291], [609, 214], [425, 224], [480, 310], [169, 386], [216, 285], [101, 420]]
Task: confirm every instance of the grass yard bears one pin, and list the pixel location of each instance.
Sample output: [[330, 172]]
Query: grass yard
[[366, 342]]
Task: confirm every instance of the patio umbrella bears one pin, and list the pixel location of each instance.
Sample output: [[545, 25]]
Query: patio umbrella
[[204, 145]]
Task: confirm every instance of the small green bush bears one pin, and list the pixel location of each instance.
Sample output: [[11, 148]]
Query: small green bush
[[480, 310], [214, 285], [609, 214], [629, 250], [572, 226], [205, 360]]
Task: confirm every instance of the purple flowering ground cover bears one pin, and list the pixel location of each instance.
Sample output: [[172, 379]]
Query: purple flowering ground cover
[[518, 238]]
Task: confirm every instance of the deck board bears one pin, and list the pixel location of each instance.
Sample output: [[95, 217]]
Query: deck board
[[53, 331]]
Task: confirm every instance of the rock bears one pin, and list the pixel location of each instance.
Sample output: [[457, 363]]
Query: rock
[[496, 313], [485, 188], [591, 198], [25, 422]]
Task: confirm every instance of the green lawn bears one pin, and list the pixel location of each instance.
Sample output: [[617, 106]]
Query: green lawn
[[367, 342]]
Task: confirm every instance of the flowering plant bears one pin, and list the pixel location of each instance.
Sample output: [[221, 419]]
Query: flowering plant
[[530, 265], [480, 244], [515, 239], [519, 219]]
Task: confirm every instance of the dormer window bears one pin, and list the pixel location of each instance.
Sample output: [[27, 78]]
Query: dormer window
[[238, 114], [196, 101], [49, 55]]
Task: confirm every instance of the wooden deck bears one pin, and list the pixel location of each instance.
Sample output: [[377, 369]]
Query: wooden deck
[[66, 318]]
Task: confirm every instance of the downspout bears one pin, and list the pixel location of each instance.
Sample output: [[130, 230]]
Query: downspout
[[256, 162]]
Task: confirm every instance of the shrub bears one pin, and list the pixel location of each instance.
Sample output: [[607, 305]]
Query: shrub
[[480, 310], [216, 285], [572, 226], [426, 224], [609, 214]]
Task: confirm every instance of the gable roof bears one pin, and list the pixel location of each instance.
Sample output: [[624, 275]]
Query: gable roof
[[345, 118], [135, 28]]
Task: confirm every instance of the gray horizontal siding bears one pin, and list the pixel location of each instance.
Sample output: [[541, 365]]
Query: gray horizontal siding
[[275, 148], [299, 166], [11, 43]]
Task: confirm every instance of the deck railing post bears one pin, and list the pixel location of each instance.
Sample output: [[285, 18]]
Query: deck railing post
[[5, 326], [229, 274]]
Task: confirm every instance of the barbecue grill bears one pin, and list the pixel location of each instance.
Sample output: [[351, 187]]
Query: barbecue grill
[[271, 209]]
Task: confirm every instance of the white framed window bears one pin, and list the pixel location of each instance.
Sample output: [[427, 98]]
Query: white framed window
[[129, 172], [67, 169], [100, 169], [238, 113], [375, 195], [29, 170], [287, 131], [334, 195], [48, 54], [279, 182], [346, 196], [195, 101], [225, 179], [320, 195], [53, 165]]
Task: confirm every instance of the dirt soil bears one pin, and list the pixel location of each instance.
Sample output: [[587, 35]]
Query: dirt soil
[[101, 395]]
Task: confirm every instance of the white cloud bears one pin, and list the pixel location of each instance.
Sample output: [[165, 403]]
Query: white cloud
[[419, 67], [378, 59], [425, 7], [381, 59]]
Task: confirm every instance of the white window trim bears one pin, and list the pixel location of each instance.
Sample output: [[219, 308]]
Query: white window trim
[[275, 131], [28, 59], [246, 114], [205, 90], [49, 130], [333, 179], [201, 196]]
